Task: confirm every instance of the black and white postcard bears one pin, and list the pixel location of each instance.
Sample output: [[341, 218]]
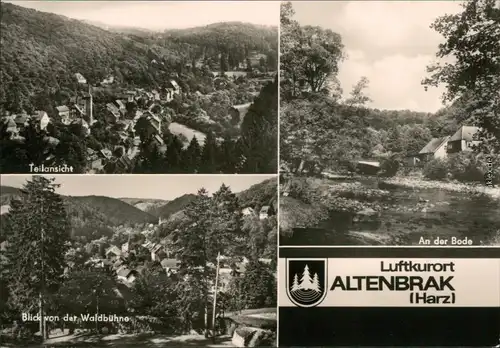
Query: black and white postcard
[[138, 261], [390, 123], [134, 87]]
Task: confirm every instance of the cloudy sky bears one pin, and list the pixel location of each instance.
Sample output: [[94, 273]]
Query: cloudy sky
[[389, 42], [142, 186], [158, 15]]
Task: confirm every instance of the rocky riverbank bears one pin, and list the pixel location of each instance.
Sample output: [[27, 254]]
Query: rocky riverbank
[[418, 183], [385, 211]]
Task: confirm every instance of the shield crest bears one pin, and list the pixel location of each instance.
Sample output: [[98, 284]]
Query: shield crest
[[306, 281]]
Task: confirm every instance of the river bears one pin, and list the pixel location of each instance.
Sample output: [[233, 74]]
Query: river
[[405, 216]]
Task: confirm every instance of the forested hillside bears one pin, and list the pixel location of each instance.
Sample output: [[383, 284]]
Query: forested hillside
[[145, 204], [173, 206], [41, 52], [90, 216], [231, 42], [258, 195]]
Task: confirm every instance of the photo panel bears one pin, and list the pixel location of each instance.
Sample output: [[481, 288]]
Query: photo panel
[[139, 260], [139, 88], [385, 137], [387, 297]]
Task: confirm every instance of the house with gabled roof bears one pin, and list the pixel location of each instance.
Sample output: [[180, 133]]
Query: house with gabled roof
[[113, 113], [91, 154], [265, 212], [113, 252], [170, 266], [248, 211], [435, 148], [131, 95], [127, 275], [11, 126], [121, 107], [156, 95], [105, 154], [464, 139], [123, 163], [108, 80], [168, 95], [64, 113], [21, 121], [158, 140], [96, 165], [125, 125], [80, 79], [154, 122], [175, 86], [41, 119], [156, 251]]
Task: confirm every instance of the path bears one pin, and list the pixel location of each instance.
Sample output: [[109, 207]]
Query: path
[[136, 340]]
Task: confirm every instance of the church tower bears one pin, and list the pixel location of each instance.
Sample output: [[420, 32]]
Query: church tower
[[88, 107]]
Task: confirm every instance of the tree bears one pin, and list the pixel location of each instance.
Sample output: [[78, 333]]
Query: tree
[[295, 284], [225, 235], [315, 282], [35, 144], [309, 55], [13, 158], [71, 150], [192, 156], [306, 282], [257, 286], [155, 294], [357, 97], [228, 156], [38, 230], [89, 291], [472, 38], [191, 242], [259, 131], [174, 155], [209, 154]]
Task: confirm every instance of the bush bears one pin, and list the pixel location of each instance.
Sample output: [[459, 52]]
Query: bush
[[300, 188], [465, 167], [260, 323], [389, 167], [436, 169]]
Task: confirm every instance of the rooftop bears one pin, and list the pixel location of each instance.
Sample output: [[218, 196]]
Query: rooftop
[[466, 133], [434, 145]]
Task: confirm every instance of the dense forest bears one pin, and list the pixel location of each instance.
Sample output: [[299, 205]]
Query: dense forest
[[41, 52]]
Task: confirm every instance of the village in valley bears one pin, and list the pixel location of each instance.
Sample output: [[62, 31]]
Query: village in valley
[[177, 104], [117, 257], [164, 265]]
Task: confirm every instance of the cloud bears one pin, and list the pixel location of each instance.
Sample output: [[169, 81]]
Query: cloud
[[389, 42], [393, 24], [159, 15], [395, 81]]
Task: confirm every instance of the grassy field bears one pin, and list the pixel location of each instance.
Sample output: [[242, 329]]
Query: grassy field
[[264, 318]]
